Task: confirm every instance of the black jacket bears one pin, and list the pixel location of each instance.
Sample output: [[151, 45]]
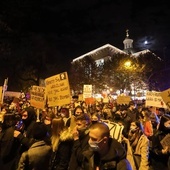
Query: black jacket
[[115, 159]]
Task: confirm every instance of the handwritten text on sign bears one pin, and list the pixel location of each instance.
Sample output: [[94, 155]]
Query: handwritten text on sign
[[37, 97], [58, 90], [166, 97], [154, 99]]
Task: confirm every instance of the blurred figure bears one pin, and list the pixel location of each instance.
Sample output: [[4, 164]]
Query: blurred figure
[[146, 121], [38, 155], [77, 112], [160, 155], [62, 142], [8, 144], [137, 146], [132, 112], [64, 112], [95, 117], [50, 115], [25, 134], [81, 137]]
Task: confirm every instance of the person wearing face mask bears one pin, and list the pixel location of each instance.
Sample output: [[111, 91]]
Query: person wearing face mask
[[104, 152], [25, 137], [81, 137], [160, 150], [137, 146]]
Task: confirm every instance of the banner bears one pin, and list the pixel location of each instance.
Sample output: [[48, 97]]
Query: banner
[[37, 95], [153, 98], [58, 90]]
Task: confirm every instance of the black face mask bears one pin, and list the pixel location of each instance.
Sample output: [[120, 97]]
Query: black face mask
[[94, 121]]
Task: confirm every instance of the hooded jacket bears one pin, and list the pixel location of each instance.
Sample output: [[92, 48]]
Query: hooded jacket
[[115, 159]]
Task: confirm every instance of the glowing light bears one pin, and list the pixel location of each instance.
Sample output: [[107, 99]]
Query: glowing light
[[146, 42], [127, 64]]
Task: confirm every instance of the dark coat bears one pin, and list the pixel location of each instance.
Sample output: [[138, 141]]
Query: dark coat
[[78, 147], [115, 159], [157, 158], [8, 149], [60, 159], [37, 157]]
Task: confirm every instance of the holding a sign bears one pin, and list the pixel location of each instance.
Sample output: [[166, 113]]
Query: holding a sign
[[154, 99], [37, 97], [58, 90]]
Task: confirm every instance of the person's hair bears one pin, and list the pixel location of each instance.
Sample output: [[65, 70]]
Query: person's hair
[[31, 113], [57, 127], [39, 131], [96, 114], [131, 103], [84, 117], [139, 125], [104, 129], [65, 111], [50, 115], [78, 107], [9, 119], [164, 118], [147, 113]]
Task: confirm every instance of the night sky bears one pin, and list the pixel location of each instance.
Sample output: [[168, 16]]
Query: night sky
[[75, 27]]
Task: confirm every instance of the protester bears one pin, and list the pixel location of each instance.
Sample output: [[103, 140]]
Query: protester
[[62, 142], [38, 155], [132, 112], [147, 124], [77, 111], [137, 145], [8, 144], [104, 152], [95, 117], [160, 155], [81, 137], [50, 115], [24, 134]]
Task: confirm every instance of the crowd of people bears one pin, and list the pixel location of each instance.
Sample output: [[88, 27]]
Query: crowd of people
[[84, 137]]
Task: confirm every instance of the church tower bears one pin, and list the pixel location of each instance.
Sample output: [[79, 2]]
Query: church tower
[[128, 44]]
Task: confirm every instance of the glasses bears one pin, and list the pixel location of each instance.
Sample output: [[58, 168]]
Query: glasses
[[24, 115]]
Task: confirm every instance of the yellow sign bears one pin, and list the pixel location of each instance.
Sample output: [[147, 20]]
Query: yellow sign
[[123, 100], [1, 95], [166, 97], [37, 99], [153, 98], [58, 90]]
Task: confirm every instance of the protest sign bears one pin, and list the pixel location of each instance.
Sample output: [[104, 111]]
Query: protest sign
[[87, 91], [123, 100], [166, 97], [1, 95], [37, 99], [90, 101], [13, 94], [153, 98], [58, 90], [166, 142]]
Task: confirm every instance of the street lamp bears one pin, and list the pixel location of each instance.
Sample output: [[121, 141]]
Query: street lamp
[[127, 64]]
